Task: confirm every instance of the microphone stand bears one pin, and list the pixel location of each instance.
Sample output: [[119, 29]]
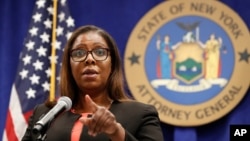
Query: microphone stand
[[41, 131], [41, 137]]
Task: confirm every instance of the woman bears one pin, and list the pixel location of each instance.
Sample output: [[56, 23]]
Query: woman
[[91, 76]]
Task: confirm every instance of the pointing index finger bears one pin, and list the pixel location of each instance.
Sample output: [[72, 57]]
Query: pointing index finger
[[90, 103]]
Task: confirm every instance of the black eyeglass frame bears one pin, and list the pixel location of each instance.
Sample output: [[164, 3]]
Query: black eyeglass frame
[[89, 52]]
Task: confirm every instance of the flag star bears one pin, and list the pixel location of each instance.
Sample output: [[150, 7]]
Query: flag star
[[48, 72], [34, 79], [53, 59], [24, 73], [70, 22], [68, 35], [45, 37], [59, 31], [61, 16], [37, 17], [26, 59], [33, 31], [48, 23], [46, 86], [30, 93], [38, 65], [63, 2], [58, 79], [41, 51], [50, 10], [30, 45], [58, 45], [40, 3]]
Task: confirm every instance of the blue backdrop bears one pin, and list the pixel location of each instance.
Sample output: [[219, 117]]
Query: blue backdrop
[[119, 18]]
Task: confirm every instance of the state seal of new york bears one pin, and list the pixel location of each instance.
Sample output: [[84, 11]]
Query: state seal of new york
[[190, 59]]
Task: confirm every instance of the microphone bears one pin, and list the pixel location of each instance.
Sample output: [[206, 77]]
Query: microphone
[[63, 104]]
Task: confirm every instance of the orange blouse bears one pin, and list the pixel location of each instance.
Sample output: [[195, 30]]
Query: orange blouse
[[77, 128]]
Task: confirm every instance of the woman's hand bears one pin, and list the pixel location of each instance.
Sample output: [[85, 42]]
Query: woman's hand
[[102, 121]]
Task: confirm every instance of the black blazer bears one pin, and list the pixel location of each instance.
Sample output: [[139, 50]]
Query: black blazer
[[140, 121]]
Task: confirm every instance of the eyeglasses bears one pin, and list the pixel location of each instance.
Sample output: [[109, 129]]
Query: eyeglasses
[[80, 54]]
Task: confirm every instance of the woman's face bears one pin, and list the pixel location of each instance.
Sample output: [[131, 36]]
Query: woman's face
[[90, 74]]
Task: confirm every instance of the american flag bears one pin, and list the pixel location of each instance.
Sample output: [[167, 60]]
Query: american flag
[[32, 82]]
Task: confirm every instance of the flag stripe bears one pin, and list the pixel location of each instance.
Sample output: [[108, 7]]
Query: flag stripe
[[16, 114], [15, 118], [5, 136], [10, 132]]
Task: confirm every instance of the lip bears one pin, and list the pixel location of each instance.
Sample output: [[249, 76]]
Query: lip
[[89, 73]]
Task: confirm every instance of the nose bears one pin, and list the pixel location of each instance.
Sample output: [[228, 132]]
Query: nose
[[89, 58]]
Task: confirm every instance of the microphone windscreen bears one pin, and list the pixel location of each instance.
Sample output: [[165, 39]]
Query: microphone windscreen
[[67, 101]]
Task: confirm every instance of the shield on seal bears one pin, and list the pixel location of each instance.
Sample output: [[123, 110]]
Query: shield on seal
[[188, 63]]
